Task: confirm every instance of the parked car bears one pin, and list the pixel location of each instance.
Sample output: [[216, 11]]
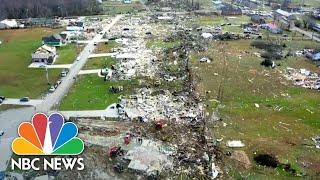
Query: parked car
[[2, 98], [64, 73], [95, 43], [59, 82], [1, 133], [78, 59], [24, 99], [1, 101], [52, 89]]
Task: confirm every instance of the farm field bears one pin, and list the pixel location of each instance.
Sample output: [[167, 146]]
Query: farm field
[[283, 124], [16, 78]]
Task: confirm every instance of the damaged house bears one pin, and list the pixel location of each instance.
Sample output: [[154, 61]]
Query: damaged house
[[230, 10], [44, 54]]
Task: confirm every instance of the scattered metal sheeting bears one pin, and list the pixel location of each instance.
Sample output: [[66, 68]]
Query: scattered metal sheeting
[[303, 78]]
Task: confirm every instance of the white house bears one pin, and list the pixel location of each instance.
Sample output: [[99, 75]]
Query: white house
[[8, 24], [44, 54]]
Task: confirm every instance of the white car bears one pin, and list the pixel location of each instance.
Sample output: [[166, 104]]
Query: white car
[[52, 89], [1, 133]]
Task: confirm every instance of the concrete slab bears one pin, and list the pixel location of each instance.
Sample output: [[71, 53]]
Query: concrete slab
[[93, 71]]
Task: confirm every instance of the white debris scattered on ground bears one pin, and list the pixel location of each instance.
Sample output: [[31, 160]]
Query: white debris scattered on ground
[[148, 158], [317, 141], [162, 106], [303, 78], [235, 144]]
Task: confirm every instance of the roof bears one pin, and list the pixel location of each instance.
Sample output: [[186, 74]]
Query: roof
[[46, 49], [10, 22], [53, 38], [283, 13]]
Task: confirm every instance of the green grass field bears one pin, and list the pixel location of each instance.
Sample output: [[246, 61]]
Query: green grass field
[[99, 63], [67, 54], [218, 20], [106, 47], [16, 78], [283, 125], [92, 93], [114, 7]]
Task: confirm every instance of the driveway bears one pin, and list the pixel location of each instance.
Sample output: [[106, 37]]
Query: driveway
[[103, 55], [92, 71], [54, 66], [11, 119]]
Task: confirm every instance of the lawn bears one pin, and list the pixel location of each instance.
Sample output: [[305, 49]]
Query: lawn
[[16, 78], [67, 54], [159, 43], [106, 47], [99, 63], [92, 93], [218, 20], [283, 125]]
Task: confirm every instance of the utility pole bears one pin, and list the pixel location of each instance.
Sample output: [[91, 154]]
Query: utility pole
[[47, 75]]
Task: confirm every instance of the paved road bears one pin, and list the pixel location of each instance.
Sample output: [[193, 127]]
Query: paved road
[[31, 102], [54, 98], [11, 119], [306, 33]]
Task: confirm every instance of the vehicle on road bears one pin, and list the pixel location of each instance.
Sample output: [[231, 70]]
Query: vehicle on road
[[95, 43], [2, 98], [1, 133], [52, 89], [1, 101], [78, 59], [64, 73], [24, 99]]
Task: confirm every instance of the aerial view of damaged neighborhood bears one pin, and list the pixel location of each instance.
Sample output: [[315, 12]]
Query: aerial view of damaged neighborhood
[[159, 89]]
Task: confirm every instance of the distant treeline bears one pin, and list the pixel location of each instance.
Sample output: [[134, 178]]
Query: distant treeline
[[18, 9]]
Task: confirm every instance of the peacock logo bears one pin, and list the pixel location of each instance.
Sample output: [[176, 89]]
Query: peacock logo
[[47, 136]]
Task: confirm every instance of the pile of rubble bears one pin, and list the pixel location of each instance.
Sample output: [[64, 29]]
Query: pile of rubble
[[162, 106], [303, 78]]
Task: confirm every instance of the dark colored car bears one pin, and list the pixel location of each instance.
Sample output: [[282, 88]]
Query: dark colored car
[[24, 99]]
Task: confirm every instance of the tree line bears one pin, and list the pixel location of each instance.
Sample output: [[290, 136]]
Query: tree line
[[19, 9]]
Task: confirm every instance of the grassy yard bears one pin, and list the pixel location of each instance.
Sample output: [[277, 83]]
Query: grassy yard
[[92, 93], [159, 43], [283, 125], [67, 54], [218, 20], [106, 47], [16, 78], [99, 63]]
